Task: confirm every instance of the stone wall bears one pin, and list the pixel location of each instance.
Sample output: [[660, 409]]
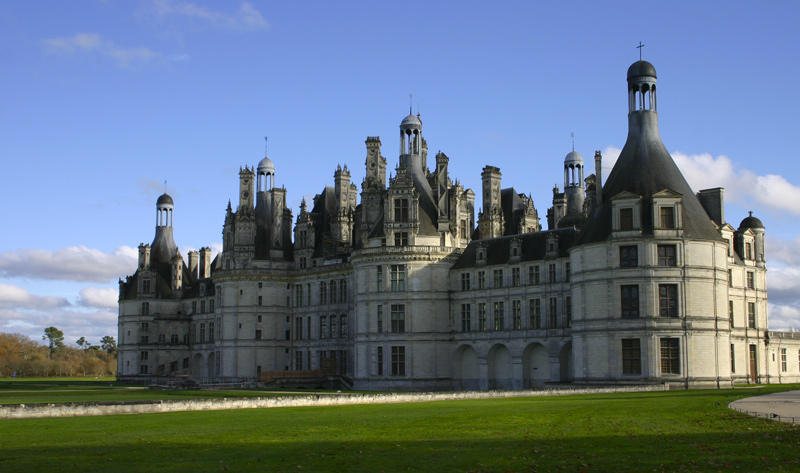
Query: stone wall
[[75, 409]]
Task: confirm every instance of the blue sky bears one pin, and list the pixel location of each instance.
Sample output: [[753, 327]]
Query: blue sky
[[105, 100]]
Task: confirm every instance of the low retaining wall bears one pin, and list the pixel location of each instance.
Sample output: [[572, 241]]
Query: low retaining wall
[[74, 409]]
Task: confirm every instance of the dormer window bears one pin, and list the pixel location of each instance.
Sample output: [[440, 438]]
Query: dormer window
[[626, 213], [401, 210], [626, 219], [480, 254], [668, 218], [667, 211]]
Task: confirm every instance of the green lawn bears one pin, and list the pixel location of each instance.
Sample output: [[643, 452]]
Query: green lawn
[[658, 431]]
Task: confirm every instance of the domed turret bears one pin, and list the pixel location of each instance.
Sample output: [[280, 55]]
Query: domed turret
[[266, 165], [165, 200], [641, 68], [411, 135], [750, 222], [573, 157], [163, 246], [573, 183]]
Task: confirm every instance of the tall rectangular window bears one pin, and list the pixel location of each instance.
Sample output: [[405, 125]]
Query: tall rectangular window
[[670, 356], [379, 361], [398, 277], [145, 308], [202, 333], [498, 278], [481, 279], [784, 360], [379, 279], [465, 282], [298, 360], [748, 252], [398, 318], [535, 310], [553, 312], [258, 334], [323, 292], [626, 219], [515, 280], [733, 359], [343, 326], [298, 295], [551, 275], [401, 210], [343, 290], [379, 318], [666, 255], [751, 280], [568, 310], [751, 314], [628, 256], [466, 317], [334, 326], [499, 315], [667, 218], [668, 300], [482, 316], [323, 326], [567, 270], [730, 313], [332, 291], [516, 315], [631, 357], [630, 301], [298, 328], [533, 275], [400, 238], [398, 361]]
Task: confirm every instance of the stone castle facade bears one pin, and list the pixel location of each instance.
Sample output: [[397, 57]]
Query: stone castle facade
[[638, 279]]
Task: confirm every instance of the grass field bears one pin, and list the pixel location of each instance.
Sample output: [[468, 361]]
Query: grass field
[[657, 431]]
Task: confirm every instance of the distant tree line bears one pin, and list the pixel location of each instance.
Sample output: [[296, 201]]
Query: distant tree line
[[23, 357]]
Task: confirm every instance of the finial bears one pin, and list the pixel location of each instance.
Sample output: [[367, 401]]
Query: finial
[[165, 186], [572, 135], [751, 213], [640, 49], [410, 105], [266, 138]]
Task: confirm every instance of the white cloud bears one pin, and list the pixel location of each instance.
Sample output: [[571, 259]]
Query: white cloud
[[783, 317], [93, 325], [15, 297], [93, 43], [100, 298], [742, 186], [75, 263], [246, 18]]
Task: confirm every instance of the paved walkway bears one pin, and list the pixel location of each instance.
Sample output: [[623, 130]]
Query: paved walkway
[[784, 407]]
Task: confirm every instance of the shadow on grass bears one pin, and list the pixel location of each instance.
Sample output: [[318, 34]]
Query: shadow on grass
[[259, 451]]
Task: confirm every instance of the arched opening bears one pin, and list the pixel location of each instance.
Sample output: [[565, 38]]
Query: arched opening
[[197, 366], [535, 366], [211, 365], [465, 369], [565, 363], [499, 361]]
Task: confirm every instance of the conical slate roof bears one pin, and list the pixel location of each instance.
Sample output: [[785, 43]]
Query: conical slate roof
[[644, 168]]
